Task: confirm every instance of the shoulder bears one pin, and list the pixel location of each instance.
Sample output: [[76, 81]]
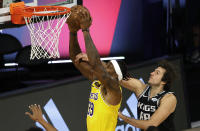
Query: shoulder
[[169, 97], [168, 102]]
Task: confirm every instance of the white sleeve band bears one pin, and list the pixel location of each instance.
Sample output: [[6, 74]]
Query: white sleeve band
[[117, 69]]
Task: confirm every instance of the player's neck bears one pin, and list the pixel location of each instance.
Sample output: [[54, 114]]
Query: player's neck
[[155, 90]]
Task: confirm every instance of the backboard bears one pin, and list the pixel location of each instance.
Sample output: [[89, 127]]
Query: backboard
[[5, 18]]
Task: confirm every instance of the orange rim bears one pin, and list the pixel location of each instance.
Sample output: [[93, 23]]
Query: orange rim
[[30, 11], [18, 11]]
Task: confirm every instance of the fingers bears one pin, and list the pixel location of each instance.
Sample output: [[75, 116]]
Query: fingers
[[35, 108], [79, 18], [30, 115], [39, 109], [84, 13], [82, 56], [36, 112], [78, 57]]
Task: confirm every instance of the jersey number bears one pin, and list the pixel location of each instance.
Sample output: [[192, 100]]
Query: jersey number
[[90, 108]]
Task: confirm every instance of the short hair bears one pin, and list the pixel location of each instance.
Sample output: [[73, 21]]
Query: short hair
[[34, 128], [169, 75], [124, 69]]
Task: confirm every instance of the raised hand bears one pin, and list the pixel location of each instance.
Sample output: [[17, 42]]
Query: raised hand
[[85, 19], [73, 20], [81, 56], [79, 18], [37, 116], [36, 113]]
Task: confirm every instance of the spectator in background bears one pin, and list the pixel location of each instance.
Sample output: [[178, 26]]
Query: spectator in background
[[193, 18]]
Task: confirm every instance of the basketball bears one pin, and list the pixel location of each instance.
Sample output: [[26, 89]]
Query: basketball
[[79, 18]]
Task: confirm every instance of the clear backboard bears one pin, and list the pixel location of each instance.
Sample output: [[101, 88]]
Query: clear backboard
[[5, 18]]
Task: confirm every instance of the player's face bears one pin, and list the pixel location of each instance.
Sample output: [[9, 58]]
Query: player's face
[[155, 78]]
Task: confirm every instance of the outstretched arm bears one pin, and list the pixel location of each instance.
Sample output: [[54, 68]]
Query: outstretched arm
[[75, 54], [97, 66], [93, 55], [73, 25], [142, 124], [37, 116], [74, 48], [100, 72], [134, 85]]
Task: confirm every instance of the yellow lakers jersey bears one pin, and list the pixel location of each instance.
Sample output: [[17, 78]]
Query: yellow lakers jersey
[[101, 116]]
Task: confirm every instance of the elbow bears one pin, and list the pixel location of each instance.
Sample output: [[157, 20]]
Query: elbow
[[148, 124], [151, 125]]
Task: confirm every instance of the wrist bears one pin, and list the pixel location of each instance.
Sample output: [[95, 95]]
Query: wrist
[[73, 33], [85, 30], [41, 121]]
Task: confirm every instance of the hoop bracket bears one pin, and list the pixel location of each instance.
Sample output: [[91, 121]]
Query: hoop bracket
[[44, 24], [16, 11]]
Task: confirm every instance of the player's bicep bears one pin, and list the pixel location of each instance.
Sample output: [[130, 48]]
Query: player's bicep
[[167, 106]]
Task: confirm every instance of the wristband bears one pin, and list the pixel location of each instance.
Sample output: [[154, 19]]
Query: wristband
[[85, 30], [74, 34]]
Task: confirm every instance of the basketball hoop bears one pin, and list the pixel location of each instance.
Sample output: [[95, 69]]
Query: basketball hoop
[[44, 24]]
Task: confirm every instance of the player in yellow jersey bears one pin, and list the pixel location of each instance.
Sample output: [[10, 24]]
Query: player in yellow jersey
[[105, 97]]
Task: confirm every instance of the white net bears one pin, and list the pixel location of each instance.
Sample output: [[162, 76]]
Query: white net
[[44, 33]]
